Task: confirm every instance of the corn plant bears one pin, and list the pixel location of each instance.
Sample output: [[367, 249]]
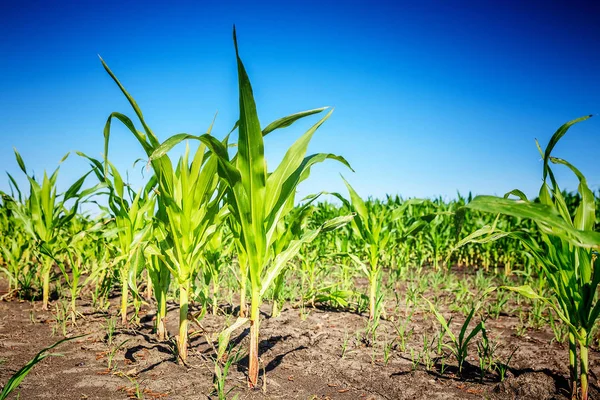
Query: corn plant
[[217, 248], [459, 345], [194, 214], [189, 202], [131, 213], [374, 226], [242, 262], [258, 200], [44, 216], [75, 253], [285, 232], [565, 250], [103, 253], [222, 364], [439, 232], [160, 276], [13, 250]]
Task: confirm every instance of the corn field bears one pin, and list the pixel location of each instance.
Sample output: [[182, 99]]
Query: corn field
[[218, 234]]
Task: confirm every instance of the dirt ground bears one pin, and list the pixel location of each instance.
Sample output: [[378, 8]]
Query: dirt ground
[[301, 354]]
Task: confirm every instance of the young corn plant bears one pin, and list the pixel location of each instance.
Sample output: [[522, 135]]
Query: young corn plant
[[74, 250], [258, 200], [13, 244], [566, 251], [192, 215], [459, 345], [374, 226], [44, 217], [285, 232], [160, 276], [217, 248], [131, 213], [242, 262], [13, 249], [439, 232], [189, 202]]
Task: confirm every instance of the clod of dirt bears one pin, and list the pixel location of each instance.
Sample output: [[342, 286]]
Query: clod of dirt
[[534, 386]]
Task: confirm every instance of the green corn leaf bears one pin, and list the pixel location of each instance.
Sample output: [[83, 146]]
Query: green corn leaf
[[292, 250], [168, 144], [363, 267], [540, 213], [441, 320], [129, 125], [64, 158], [528, 292], [291, 161], [15, 186], [153, 139], [463, 329], [556, 137], [289, 120], [517, 193], [72, 191], [358, 205], [15, 380], [585, 216], [473, 333], [225, 335], [337, 222], [20, 161], [288, 189]]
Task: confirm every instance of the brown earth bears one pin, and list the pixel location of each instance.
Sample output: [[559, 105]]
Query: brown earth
[[301, 353]]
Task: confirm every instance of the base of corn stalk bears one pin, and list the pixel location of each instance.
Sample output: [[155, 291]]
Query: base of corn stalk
[[215, 298], [45, 289], [149, 288], [161, 329], [254, 330], [161, 320], [124, 301], [573, 366], [182, 339], [373, 283], [73, 309], [275, 309], [253, 355], [243, 306], [583, 356], [182, 345], [243, 310]]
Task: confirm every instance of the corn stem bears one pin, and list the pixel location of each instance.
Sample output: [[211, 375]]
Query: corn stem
[[254, 329], [124, 298], [46, 282], [161, 329], [583, 356], [182, 342], [573, 365]]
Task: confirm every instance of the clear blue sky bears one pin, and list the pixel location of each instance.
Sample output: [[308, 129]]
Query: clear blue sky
[[430, 97]]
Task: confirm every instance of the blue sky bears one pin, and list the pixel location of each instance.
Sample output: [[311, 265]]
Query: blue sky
[[430, 97]]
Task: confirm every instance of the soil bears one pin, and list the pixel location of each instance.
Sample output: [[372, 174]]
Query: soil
[[301, 354]]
